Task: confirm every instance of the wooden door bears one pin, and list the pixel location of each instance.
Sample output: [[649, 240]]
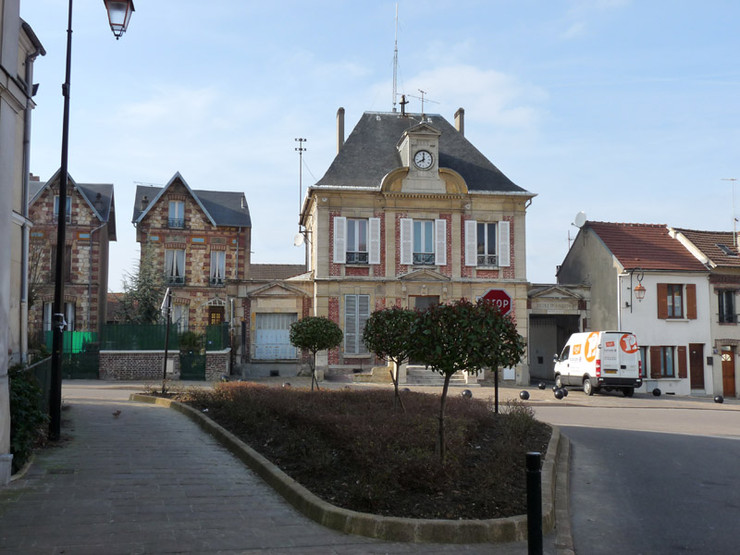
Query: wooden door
[[696, 365], [728, 371]]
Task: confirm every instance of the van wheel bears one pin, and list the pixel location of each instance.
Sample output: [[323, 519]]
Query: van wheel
[[558, 381], [628, 391], [588, 389]]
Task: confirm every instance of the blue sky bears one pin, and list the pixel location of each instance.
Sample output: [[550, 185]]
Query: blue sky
[[625, 110]]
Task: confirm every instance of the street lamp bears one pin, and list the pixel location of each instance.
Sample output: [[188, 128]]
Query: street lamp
[[115, 10]]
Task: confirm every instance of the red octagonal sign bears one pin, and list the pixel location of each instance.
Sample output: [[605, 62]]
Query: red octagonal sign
[[500, 298]]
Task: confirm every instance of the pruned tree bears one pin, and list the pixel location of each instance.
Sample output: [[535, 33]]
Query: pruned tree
[[143, 290], [388, 335], [314, 334], [464, 336]]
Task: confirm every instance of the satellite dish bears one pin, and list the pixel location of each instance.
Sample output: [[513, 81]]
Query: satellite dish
[[298, 239], [580, 219]]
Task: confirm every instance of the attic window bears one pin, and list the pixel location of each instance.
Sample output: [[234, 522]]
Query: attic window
[[727, 250]]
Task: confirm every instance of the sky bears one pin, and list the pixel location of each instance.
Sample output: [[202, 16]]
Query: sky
[[628, 111]]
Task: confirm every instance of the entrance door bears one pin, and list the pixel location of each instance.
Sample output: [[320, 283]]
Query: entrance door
[[728, 371], [216, 315], [696, 365]]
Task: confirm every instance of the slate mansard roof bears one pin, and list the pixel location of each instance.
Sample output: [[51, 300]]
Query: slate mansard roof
[[370, 152], [222, 208], [645, 246]]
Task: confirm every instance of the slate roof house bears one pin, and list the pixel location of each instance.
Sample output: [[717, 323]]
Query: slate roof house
[[91, 225], [410, 214], [622, 261], [200, 240]]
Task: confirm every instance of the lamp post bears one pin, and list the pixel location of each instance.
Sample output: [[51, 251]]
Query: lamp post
[[119, 14]]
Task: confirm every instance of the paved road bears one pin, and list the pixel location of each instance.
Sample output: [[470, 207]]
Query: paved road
[[150, 481], [652, 480]]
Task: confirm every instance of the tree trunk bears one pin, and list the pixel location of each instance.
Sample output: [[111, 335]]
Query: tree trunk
[[442, 448], [312, 363], [394, 378]]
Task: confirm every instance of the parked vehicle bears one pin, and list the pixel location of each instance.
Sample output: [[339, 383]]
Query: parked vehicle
[[600, 360]]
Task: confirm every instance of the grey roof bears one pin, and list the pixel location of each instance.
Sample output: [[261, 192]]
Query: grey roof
[[223, 208], [370, 152], [103, 206]]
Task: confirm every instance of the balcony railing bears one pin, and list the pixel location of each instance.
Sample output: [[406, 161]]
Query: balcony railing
[[356, 258], [424, 258], [487, 260], [217, 282], [176, 223], [175, 280]]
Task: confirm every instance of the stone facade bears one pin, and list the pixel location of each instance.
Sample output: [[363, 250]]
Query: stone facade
[[90, 228], [203, 297], [149, 365], [438, 196]]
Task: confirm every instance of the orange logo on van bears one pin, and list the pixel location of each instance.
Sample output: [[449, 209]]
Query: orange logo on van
[[576, 349], [628, 343], [592, 342]]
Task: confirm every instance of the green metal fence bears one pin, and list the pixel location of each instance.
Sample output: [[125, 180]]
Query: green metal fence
[[73, 342], [137, 337]]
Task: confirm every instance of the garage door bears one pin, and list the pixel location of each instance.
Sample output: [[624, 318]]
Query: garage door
[[272, 337]]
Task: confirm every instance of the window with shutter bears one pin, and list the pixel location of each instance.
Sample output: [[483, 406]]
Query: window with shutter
[[691, 301], [356, 314], [662, 301], [504, 244], [340, 240], [471, 243], [655, 362], [682, 368], [440, 242], [407, 241], [374, 231]]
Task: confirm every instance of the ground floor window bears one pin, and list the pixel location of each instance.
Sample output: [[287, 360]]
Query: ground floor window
[[356, 313], [662, 362], [272, 336]]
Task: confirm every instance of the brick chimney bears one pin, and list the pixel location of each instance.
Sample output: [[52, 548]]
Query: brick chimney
[[460, 121], [340, 129]]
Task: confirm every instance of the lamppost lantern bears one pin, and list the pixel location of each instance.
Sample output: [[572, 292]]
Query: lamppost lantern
[[119, 14], [639, 291]]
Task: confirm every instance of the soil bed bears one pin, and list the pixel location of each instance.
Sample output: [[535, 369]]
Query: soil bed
[[355, 450]]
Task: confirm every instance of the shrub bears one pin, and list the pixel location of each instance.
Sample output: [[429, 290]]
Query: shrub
[[27, 420]]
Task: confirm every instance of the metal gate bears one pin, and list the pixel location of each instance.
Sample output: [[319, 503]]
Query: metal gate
[[192, 366], [81, 366]]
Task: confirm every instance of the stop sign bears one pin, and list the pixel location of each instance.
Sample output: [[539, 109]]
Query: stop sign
[[500, 298]]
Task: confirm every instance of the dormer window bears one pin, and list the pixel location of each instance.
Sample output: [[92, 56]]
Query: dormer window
[[177, 214]]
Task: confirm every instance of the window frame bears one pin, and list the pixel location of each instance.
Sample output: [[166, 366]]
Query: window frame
[[67, 215], [667, 355], [171, 277], [218, 270], [178, 220], [675, 296], [726, 306], [487, 258], [420, 237], [355, 254]]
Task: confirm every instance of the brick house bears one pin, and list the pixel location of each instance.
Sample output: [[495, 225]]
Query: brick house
[[201, 242], [91, 225], [671, 321], [410, 214]]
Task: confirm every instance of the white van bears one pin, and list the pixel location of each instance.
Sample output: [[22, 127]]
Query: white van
[[600, 360]]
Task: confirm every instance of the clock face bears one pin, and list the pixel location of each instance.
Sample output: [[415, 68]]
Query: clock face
[[423, 160]]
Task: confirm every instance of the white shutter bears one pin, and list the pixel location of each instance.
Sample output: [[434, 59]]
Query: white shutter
[[363, 309], [440, 242], [503, 244], [350, 323], [340, 240], [374, 241], [407, 241], [471, 243]]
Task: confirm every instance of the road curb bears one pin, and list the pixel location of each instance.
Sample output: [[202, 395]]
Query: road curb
[[511, 529]]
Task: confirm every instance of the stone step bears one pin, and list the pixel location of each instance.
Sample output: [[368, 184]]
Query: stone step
[[419, 375]]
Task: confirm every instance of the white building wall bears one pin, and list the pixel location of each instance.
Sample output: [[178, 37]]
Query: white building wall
[[642, 319]]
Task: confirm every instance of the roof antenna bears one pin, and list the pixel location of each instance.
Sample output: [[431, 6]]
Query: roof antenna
[[395, 64]]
